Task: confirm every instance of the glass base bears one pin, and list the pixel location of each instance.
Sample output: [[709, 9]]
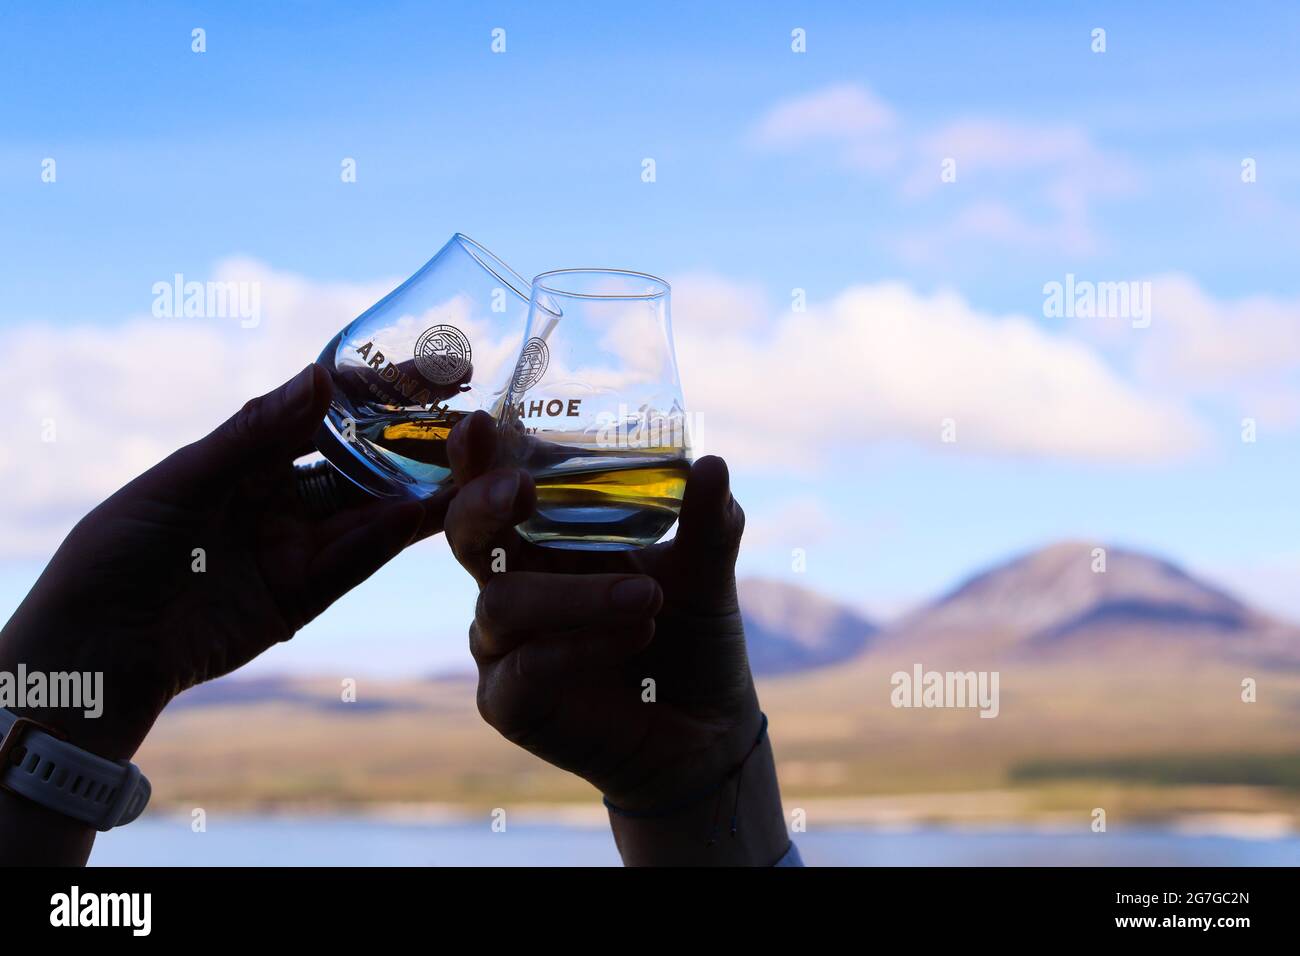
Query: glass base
[[598, 529], [586, 544]]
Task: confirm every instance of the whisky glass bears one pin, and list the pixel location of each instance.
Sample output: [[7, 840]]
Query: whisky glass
[[437, 348], [594, 411]]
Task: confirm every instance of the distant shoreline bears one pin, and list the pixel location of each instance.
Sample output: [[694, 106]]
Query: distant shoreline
[[870, 813]]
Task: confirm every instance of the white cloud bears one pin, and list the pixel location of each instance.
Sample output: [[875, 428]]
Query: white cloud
[[703, 300], [1196, 339], [1036, 181], [878, 362], [1244, 352], [792, 523], [985, 146], [882, 362], [846, 113], [984, 220], [121, 397]]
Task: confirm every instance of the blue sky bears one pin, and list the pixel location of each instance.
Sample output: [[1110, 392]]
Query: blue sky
[[775, 170]]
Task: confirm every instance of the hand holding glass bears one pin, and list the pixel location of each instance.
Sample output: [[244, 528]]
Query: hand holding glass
[[431, 352], [595, 413]]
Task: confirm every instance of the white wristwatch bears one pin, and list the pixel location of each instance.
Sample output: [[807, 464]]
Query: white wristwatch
[[36, 764]]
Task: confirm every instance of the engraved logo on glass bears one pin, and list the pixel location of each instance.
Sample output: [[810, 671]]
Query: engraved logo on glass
[[442, 355], [532, 365]]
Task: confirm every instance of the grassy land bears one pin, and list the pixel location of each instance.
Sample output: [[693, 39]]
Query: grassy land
[[1275, 771], [1143, 744]]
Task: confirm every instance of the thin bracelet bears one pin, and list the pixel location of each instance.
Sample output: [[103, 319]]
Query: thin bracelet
[[697, 797]]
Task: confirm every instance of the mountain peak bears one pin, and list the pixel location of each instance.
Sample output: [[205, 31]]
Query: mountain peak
[[790, 628], [1074, 585]]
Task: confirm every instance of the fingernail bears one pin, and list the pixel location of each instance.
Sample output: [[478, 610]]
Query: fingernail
[[633, 594], [455, 443], [501, 496], [302, 389]]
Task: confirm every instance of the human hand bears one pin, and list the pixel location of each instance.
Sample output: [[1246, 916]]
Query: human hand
[[565, 641], [124, 594]]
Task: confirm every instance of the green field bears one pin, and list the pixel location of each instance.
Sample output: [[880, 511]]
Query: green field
[[1142, 743]]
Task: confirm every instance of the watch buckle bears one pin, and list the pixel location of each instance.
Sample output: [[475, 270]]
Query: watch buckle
[[13, 737]]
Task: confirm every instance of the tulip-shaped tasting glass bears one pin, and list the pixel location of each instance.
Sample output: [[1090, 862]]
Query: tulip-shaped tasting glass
[[594, 411], [435, 349]]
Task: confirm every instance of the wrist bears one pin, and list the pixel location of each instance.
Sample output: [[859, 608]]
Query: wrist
[[51, 816], [102, 736], [32, 835], [741, 824], [63, 688], [691, 762]]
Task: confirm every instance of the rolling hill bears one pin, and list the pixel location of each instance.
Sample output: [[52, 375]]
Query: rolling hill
[[1064, 600], [789, 628]]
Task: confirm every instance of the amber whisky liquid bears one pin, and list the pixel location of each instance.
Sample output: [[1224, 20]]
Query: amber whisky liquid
[[419, 437], [613, 503]]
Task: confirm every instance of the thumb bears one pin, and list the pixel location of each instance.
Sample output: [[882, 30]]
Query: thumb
[[710, 524], [281, 419], [472, 447], [276, 424]]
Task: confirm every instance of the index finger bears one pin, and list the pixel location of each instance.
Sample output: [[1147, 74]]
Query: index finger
[[480, 525]]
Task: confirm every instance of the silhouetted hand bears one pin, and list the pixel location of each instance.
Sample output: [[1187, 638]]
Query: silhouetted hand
[[199, 565], [566, 641]]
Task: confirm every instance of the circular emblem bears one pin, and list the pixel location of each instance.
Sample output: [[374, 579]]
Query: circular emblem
[[532, 365], [442, 355]]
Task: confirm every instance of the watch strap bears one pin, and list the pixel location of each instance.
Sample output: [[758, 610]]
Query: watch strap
[[791, 857], [35, 763]]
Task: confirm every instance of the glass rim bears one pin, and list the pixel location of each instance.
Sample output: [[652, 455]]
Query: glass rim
[[494, 264], [542, 282]]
